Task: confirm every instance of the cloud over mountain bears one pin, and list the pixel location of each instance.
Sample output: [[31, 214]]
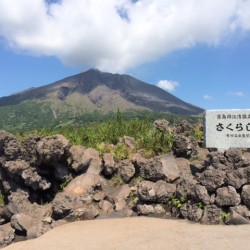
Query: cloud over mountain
[[115, 35], [167, 85]]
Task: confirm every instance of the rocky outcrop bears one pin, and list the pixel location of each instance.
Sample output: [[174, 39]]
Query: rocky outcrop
[[246, 195], [7, 235], [212, 179], [212, 215], [186, 147], [126, 170], [52, 148], [109, 166], [47, 181], [162, 125], [227, 196], [158, 168]]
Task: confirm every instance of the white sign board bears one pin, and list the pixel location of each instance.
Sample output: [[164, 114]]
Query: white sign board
[[227, 128]]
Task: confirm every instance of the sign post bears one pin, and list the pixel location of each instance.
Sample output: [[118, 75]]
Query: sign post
[[227, 128]]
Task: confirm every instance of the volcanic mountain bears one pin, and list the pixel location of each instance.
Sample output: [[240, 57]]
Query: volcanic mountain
[[95, 90], [83, 98]]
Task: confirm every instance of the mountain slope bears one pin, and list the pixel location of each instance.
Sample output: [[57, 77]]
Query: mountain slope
[[85, 97], [95, 90]]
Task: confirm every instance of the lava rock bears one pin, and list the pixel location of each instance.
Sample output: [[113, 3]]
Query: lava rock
[[76, 159], [158, 168], [245, 195], [236, 219], [184, 127], [202, 194], [239, 177], [109, 166], [7, 235], [212, 179], [146, 191], [145, 209], [162, 125], [52, 148], [191, 212], [106, 206], [84, 184], [212, 215], [10, 147], [185, 147], [164, 191], [227, 196], [126, 170]]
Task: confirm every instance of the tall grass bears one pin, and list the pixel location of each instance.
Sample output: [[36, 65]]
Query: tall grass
[[1, 199], [102, 135]]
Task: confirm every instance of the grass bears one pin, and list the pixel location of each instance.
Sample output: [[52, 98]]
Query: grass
[[224, 215], [201, 205], [1, 199], [108, 137], [174, 202], [117, 181], [198, 134], [64, 184]]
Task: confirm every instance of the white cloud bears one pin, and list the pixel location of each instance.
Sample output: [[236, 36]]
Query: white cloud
[[242, 17], [116, 35], [167, 85], [207, 97], [237, 94]]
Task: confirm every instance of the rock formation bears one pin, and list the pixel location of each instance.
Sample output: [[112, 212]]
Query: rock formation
[[47, 181]]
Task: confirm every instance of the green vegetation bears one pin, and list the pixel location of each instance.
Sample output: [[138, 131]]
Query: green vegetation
[[108, 137], [198, 134], [174, 202], [201, 205], [32, 115], [1, 199], [138, 180], [224, 215], [25, 117], [103, 132], [64, 184], [133, 199], [117, 181]]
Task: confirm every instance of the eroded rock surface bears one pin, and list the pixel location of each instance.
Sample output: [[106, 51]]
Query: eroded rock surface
[[46, 182]]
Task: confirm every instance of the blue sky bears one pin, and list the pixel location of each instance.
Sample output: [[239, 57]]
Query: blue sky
[[198, 51]]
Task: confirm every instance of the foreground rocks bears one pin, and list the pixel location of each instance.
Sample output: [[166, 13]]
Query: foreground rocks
[[46, 182]]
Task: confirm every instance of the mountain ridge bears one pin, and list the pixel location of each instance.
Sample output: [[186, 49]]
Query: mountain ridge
[[131, 92]]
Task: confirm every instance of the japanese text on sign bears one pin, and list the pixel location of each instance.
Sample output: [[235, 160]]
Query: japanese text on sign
[[227, 128]]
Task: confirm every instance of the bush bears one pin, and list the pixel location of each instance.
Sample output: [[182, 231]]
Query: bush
[[103, 135], [1, 199]]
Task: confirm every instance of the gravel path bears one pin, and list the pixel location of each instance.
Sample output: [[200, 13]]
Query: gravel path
[[139, 233]]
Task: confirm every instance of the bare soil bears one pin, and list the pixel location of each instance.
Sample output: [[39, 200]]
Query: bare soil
[[139, 233]]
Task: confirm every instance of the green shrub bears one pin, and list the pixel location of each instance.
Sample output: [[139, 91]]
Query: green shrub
[[198, 134], [138, 180], [64, 184], [174, 202], [108, 137], [201, 205], [155, 142], [1, 199], [117, 181], [224, 215], [120, 152]]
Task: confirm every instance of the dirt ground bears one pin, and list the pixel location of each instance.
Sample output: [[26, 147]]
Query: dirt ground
[[139, 233]]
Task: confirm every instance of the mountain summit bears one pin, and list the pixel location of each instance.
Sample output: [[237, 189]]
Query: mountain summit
[[95, 90]]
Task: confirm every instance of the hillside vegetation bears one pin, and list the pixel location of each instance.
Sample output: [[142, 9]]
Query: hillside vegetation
[[106, 133], [36, 116]]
